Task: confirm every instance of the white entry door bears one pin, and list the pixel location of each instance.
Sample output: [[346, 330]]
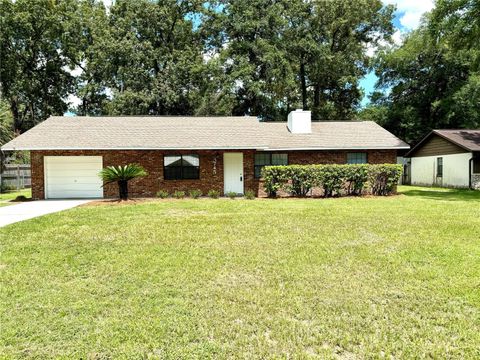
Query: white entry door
[[233, 172], [73, 177]]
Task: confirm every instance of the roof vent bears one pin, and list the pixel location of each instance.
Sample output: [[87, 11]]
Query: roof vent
[[300, 122]]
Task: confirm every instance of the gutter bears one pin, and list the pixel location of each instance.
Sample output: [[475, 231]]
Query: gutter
[[131, 148], [261, 148], [339, 149]]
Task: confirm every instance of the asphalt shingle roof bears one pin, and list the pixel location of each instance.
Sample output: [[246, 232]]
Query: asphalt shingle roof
[[468, 139], [168, 132]]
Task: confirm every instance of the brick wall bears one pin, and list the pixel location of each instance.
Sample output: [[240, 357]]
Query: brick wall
[[211, 168]]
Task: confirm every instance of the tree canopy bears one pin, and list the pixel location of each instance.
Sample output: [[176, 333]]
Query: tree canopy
[[238, 57], [432, 80], [257, 57]]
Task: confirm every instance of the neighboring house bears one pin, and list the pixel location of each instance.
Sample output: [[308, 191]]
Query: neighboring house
[[184, 153], [449, 158]]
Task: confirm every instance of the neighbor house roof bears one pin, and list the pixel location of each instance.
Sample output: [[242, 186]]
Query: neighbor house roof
[[468, 139], [167, 132]]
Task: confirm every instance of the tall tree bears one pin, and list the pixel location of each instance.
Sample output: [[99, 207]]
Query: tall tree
[[279, 54], [258, 57], [254, 59], [6, 123], [34, 76], [458, 23], [155, 57], [433, 79], [330, 45], [90, 57]]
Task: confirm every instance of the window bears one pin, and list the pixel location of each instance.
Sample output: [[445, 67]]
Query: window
[[439, 167], [266, 159], [476, 165], [356, 158], [181, 167]]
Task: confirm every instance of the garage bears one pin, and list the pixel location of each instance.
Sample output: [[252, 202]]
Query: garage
[[73, 177]]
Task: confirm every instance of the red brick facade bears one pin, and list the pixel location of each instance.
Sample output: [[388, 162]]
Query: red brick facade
[[211, 168]]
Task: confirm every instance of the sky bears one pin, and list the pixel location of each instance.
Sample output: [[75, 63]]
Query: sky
[[407, 18]]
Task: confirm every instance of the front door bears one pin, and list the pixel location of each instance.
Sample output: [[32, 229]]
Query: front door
[[233, 172]]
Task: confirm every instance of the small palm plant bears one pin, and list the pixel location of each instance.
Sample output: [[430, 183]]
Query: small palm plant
[[122, 175]]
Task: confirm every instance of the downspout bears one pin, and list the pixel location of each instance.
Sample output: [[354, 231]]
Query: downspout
[[470, 165]]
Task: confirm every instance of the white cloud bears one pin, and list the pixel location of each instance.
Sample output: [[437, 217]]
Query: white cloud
[[396, 38], [411, 11], [108, 3], [108, 91], [73, 100], [77, 71]]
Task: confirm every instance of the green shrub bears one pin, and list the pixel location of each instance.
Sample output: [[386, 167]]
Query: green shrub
[[330, 178], [250, 194], [122, 175], [231, 194], [334, 180], [163, 194], [195, 193], [302, 179], [356, 177], [383, 179], [214, 194], [179, 194], [275, 178]]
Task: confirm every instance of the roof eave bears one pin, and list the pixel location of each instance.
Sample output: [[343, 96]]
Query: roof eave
[[260, 148], [29, 148], [341, 148], [452, 141], [428, 136]]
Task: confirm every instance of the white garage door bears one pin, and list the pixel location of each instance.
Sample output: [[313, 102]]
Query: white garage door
[[73, 177]]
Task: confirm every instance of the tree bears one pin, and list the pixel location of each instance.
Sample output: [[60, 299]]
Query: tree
[[154, 56], [329, 44], [6, 123], [278, 55], [256, 71], [122, 175], [458, 23], [90, 57], [432, 79], [34, 60]]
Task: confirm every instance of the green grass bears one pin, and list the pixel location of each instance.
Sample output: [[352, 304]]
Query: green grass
[[5, 198], [393, 277]]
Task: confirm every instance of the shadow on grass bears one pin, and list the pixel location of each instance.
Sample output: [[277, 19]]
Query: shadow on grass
[[442, 194]]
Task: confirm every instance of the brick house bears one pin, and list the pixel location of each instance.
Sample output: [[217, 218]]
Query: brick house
[[184, 153]]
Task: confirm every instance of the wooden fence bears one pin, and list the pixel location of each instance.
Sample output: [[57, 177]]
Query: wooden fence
[[17, 176]]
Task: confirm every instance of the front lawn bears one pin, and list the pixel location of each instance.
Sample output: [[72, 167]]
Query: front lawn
[[329, 278]]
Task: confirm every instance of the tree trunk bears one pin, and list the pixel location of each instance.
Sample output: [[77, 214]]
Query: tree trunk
[[316, 102], [304, 85], [123, 189], [316, 96], [16, 115]]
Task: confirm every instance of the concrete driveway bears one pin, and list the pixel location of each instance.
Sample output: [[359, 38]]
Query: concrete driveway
[[28, 210]]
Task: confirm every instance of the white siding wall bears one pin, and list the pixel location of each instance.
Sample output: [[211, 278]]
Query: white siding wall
[[401, 161], [455, 170]]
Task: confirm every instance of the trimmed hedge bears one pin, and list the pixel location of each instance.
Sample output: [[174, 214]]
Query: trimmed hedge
[[334, 180]]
